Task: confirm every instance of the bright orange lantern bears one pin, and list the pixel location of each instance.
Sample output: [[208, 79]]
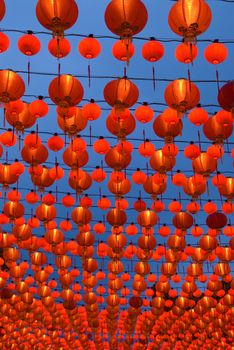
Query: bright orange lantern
[[127, 18], [182, 95], [189, 18], [57, 15]]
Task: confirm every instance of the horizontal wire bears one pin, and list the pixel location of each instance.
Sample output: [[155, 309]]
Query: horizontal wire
[[86, 76], [115, 37]]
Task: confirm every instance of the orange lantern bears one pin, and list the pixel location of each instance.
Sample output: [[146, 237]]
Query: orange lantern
[[126, 19], [186, 53], [121, 93], [57, 16], [59, 47], [153, 51], [189, 18], [66, 91], [12, 86], [123, 51], [182, 95]]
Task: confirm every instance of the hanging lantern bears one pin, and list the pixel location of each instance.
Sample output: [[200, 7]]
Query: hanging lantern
[[161, 163], [38, 108], [167, 130], [91, 111], [21, 121], [226, 96], [204, 164], [59, 47], [186, 53], [57, 16], [153, 51], [66, 91], [121, 94], [144, 114], [216, 53], [12, 86], [183, 220], [117, 160], [73, 125], [2, 9], [147, 218], [198, 116], [227, 189], [216, 220], [81, 216], [116, 217], [29, 45], [193, 188], [216, 131], [123, 51], [154, 188], [89, 48], [189, 18], [182, 95], [121, 128], [126, 19], [4, 41]]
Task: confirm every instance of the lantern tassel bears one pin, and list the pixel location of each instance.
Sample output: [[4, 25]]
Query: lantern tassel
[[59, 73], [90, 135], [4, 117], [217, 78], [208, 189], [89, 75], [189, 79], [127, 54], [191, 52], [154, 78], [29, 73]]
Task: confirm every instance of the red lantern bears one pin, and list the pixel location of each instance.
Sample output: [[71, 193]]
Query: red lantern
[[59, 47], [186, 53], [216, 53], [4, 41], [226, 96], [189, 18], [153, 51], [2, 9], [12, 86], [126, 19], [57, 16], [123, 51], [182, 95], [121, 93], [66, 91]]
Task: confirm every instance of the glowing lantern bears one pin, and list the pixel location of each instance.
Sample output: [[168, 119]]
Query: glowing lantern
[[121, 94], [186, 53], [126, 19], [89, 48], [123, 51], [144, 114], [12, 86], [182, 95], [153, 51], [59, 47], [66, 91], [57, 16], [38, 108], [198, 116], [4, 42], [189, 18]]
